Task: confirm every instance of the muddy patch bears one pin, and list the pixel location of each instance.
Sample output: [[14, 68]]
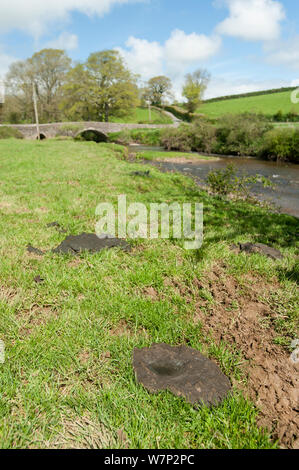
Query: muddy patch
[[9, 295], [122, 329], [151, 293], [237, 316], [36, 316]]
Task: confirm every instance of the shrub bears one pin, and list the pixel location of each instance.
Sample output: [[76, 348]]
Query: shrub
[[292, 116], [281, 144], [141, 136], [226, 181], [204, 136], [146, 136], [198, 137], [122, 137], [234, 134], [177, 139], [241, 134], [10, 132]]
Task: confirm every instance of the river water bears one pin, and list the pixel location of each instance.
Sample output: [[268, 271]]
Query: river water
[[285, 176]]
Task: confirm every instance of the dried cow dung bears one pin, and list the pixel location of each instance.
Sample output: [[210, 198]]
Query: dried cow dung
[[57, 226], [146, 174], [74, 244], [34, 251], [261, 249], [183, 371]]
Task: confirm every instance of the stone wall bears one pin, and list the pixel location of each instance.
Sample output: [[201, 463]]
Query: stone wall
[[52, 130]]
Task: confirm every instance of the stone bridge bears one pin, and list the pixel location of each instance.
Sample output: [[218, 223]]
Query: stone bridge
[[48, 131]]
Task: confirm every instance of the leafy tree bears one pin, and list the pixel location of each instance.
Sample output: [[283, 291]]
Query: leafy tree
[[47, 70], [158, 89], [100, 88], [195, 85], [19, 92], [11, 111], [76, 103], [113, 88]]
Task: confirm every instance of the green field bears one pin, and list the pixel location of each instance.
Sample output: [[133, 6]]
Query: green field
[[141, 115], [67, 380], [266, 104]]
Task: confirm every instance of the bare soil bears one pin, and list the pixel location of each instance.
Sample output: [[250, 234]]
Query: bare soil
[[272, 377]]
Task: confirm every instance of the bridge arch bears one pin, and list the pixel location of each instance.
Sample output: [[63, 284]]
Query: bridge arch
[[42, 136], [92, 134]]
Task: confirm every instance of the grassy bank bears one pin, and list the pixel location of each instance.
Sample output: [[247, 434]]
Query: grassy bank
[[67, 379]]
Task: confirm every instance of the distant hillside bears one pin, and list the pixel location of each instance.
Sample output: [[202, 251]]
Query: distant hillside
[[252, 93], [267, 102]]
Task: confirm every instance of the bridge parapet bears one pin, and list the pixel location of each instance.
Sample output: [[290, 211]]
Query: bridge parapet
[[52, 130]]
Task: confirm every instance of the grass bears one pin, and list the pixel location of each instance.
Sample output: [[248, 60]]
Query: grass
[[67, 379], [266, 104], [153, 155], [141, 115]]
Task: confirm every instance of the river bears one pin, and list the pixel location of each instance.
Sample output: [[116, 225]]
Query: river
[[285, 176]]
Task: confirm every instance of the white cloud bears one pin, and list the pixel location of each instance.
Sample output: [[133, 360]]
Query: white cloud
[[284, 53], [183, 50], [253, 20], [66, 41], [180, 52], [34, 16], [5, 61], [143, 57], [224, 87]]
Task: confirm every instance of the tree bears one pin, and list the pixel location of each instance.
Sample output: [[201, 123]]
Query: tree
[[158, 89], [195, 85], [100, 88], [76, 103], [112, 87], [47, 69], [19, 92]]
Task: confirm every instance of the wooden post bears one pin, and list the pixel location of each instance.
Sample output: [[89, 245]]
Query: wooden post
[[149, 112], [35, 110]]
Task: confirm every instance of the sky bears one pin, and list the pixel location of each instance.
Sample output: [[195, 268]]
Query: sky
[[246, 45]]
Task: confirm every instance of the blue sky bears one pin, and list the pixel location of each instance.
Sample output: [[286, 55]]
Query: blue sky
[[246, 44]]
